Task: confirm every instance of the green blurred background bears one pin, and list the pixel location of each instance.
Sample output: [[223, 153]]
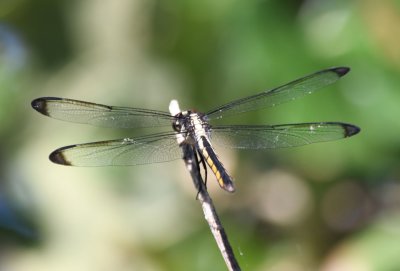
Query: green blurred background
[[330, 206]]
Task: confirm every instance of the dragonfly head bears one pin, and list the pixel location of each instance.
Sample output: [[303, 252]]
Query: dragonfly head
[[181, 121]]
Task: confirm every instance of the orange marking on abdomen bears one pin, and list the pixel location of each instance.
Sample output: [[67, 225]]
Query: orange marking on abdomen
[[213, 167]]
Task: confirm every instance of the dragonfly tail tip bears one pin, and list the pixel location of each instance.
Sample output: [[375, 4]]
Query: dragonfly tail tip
[[229, 187]]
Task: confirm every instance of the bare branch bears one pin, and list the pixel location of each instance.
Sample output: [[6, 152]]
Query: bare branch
[[210, 214]]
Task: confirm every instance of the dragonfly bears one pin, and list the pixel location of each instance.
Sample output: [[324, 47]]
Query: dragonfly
[[195, 128]]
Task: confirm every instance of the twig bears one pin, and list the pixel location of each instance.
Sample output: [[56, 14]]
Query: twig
[[210, 214]]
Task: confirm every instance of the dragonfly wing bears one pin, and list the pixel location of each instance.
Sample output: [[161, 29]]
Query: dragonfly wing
[[100, 115], [293, 90], [122, 152], [280, 136]]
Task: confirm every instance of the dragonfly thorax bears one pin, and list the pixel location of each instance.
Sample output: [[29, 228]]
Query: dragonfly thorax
[[192, 125]]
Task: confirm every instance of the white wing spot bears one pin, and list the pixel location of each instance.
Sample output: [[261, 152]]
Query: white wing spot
[[127, 140]]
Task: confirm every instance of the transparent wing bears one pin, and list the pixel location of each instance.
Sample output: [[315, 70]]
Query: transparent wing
[[100, 115], [290, 91], [122, 152], [280, 136]]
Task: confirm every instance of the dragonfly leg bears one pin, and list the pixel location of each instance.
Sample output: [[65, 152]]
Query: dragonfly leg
[[203, 162]]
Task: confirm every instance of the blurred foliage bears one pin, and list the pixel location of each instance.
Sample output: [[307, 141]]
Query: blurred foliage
[[331, 206]]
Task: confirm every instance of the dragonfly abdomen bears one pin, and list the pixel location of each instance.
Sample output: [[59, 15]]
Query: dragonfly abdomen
[[210, 157]]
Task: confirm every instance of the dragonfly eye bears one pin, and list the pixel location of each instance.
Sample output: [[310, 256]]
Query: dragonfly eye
[[177, 126]]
